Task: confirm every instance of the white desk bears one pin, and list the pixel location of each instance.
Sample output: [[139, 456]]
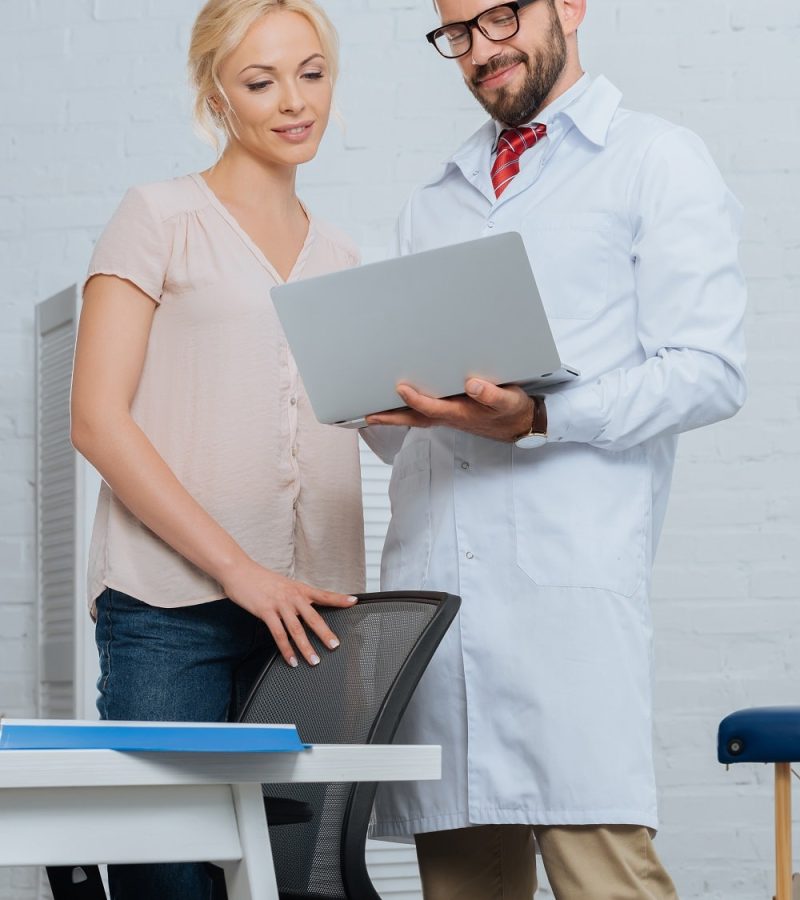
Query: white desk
[[79, 807]]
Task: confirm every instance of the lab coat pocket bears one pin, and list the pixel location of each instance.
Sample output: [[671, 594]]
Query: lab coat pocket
[[570, 255], [406, 552], [583, 517]]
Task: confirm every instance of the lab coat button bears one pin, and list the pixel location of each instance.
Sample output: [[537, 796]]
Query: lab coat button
[[465, 466]]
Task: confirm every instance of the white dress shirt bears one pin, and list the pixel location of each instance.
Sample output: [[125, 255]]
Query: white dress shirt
[[540, 693], [549, 117]]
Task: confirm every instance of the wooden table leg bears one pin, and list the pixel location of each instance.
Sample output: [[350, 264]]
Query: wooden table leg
[[783, 831]]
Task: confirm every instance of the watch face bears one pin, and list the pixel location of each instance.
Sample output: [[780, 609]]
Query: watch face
[[531, 441]]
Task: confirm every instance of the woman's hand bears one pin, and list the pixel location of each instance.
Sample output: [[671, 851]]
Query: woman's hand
[[112, 341], [285, 606]]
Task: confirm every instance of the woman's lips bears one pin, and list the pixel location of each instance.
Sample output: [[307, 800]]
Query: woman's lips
[[499, 78], [294, 134]]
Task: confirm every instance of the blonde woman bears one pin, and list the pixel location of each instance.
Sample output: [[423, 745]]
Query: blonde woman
[[227, 512]]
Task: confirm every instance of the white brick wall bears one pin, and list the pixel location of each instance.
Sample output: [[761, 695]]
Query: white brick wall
[[92, 100]]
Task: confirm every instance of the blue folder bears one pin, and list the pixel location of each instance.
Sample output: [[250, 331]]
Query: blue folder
[[148, 737]]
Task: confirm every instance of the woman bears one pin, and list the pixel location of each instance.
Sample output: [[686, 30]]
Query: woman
[[227, 512]]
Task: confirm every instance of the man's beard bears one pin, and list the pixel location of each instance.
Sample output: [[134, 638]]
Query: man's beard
[[543, 69]]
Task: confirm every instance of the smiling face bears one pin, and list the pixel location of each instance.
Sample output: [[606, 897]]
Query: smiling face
[[512, 79], [278, 90]]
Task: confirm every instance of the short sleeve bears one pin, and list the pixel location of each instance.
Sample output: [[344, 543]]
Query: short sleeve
[[133, 246]]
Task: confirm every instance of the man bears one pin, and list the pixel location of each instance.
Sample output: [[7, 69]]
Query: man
[[544, 513]]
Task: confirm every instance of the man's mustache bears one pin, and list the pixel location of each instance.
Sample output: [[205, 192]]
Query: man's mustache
[[496, 65]]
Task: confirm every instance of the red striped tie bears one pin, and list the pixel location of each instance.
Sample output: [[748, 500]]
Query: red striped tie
[[511, 144]]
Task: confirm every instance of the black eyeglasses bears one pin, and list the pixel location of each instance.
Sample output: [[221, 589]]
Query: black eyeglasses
[[496, 24]]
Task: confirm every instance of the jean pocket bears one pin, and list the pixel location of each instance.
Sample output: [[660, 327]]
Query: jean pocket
[[406, 551]]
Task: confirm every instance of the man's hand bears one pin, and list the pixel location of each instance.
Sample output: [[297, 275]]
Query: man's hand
[[501, 414]]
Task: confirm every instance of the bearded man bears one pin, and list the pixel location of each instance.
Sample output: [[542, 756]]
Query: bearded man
[[544, 513]]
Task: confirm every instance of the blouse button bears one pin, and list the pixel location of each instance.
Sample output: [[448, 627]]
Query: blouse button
[[293, 401], [469, 555]]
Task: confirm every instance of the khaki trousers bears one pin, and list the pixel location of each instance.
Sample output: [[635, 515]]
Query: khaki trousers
[[583, 862]]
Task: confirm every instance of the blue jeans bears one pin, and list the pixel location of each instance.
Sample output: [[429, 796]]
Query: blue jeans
[[193, 664]]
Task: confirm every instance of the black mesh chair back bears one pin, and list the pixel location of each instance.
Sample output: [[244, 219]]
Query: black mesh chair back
[[357, 694]]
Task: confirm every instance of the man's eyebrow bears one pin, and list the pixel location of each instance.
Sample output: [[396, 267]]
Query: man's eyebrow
[[272, 68]]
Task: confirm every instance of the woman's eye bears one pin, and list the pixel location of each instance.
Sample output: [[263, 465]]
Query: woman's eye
[[258, 86], [314, 76]]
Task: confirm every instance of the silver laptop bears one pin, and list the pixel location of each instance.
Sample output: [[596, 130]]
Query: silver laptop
[[429, 319]]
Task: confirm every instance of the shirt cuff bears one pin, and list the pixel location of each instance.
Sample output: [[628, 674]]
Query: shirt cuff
[[572, 416]]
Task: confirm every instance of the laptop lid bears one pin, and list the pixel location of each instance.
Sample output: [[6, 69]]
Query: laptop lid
[[429, 319]]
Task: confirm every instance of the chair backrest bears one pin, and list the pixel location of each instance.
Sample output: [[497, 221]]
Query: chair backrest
[[76, 883], [357, 694]]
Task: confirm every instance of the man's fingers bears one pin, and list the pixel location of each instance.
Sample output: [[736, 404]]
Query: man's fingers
[[407, 418], [428, 406], [501, 400], [446, 410], [484, 402], [418, 415]]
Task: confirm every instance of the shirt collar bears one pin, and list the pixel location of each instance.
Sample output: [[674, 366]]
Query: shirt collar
[[590, 105], [593, 111], [547, 115]]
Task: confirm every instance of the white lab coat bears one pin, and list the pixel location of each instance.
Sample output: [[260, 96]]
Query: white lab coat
[[540, 693]]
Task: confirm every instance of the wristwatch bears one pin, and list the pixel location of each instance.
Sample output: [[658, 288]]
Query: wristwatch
[[537, 436]]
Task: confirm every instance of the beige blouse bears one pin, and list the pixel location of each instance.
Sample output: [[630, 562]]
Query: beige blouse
[[222, 402]]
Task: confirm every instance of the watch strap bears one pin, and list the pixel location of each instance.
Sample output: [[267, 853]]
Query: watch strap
[[538, 430]]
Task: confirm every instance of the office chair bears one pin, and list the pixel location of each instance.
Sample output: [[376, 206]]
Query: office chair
[[357, 694], [768, 734], [76, 883]]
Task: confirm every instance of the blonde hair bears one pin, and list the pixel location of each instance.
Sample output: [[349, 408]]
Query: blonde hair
[[218, 30]]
